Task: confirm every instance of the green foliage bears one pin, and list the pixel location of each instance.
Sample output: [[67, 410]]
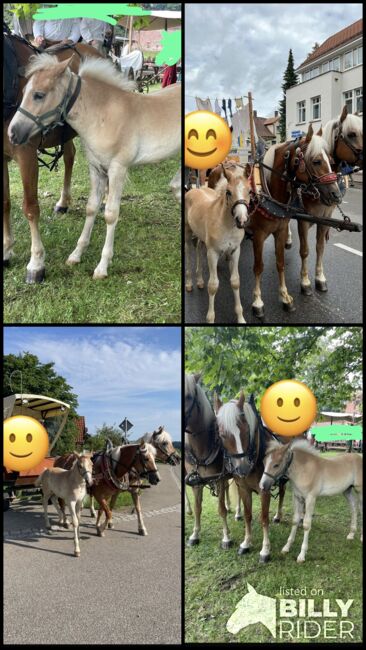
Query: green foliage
[[327, 359], [22, 10], [67, 440], [290, 78], [32, 376], [105, 431]]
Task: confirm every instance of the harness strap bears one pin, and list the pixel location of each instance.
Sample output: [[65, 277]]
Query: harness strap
[[61, 111]]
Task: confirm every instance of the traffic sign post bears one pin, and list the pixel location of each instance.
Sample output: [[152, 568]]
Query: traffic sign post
[[125, 425]]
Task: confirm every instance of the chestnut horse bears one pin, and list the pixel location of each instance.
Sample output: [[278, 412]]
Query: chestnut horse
[[344, 142], [20, 51]]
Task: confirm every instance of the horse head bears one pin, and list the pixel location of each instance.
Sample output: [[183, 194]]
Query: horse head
[[237, 424], [347, 138], [145, 465], [235, 184], [163, 444], [276, 463]]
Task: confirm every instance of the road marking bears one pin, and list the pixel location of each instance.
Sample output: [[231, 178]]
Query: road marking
[[178, 482], [349, 249]]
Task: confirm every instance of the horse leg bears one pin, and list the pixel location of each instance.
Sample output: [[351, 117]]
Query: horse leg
[[188, 505], [112, 503], [176, 185], [60, 508], [28, 166], [213, 283], [46, 496], [320, 279], [246, 497], [75, 523], [297, 504], [226, 542], [64, 201], [199, 277], [282, 489], [309, 509], [235, 283], [238, 512], [227, 497], [264, 555], [258, 304], [116, 176], [286, 299], [289, 237], [303, 229], [108, 516], [195, 537], [137, 503], [352, 502], [98, 183], [361, 512], [188, 256], [91, 507], [8, 238]]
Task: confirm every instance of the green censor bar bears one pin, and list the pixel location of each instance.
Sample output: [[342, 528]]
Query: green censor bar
[[334, 432]]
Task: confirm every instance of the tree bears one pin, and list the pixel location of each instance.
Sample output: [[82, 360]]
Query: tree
[[105, 431], [24, 373], [327, 359], [290, 78]]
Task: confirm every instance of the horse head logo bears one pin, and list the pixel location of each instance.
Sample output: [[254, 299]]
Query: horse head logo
[[253, 608]]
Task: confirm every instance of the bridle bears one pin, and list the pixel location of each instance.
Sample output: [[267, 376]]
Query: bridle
[[165, 453], [60, 111], [250, 453], [83, 472], [187, 416], [283, 472], [339, 135]]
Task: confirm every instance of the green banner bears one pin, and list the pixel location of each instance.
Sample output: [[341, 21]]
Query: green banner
[[337, 432]]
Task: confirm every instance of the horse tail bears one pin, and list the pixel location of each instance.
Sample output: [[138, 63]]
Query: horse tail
[[38, 481]]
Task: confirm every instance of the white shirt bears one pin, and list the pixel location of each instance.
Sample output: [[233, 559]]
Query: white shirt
[[58, 30], [93, 30]]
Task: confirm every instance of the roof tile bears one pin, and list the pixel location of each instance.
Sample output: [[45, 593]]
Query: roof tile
[[334, 41]]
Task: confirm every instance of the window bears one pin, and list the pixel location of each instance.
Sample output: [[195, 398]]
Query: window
[[348, 100], [301, 115], [348, 60], [314, 72], [334, 64], [326, 66], [359, 97], [307, 75], [315, 108]]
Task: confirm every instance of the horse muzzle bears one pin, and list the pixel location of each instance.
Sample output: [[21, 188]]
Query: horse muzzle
[[266, 483], [18, 135], [153, 478]]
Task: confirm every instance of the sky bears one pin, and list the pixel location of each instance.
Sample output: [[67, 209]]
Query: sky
[[233, 48], [117, 372]]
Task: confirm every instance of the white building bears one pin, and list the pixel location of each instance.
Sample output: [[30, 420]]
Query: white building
[[329, 78]]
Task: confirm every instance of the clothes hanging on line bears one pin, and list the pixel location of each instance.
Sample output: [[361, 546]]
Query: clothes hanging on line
[[239, 102], [229, 107], [217, 107], [203, 104]]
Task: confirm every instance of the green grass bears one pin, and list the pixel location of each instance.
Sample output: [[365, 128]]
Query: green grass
[[144, 277], [216, 580]]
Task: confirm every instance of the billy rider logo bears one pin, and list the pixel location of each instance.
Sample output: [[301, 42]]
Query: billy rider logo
[[293, 618]]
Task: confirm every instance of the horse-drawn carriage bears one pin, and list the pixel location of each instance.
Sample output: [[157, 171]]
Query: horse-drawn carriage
[[52, 414]]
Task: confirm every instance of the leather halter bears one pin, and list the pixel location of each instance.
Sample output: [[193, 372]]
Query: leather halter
[[283, 472], [60, 111], [239, 202], [83, 473], [250, 453], [340, 135]]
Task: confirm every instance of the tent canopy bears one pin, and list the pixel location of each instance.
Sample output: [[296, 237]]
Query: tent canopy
[[157, 20]]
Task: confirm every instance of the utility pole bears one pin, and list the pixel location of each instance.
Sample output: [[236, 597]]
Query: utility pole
[[251, 123]]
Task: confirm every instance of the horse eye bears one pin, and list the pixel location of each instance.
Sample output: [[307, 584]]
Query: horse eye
[[316, 162], [38, 96], [192, 133], [352, 135], [228, 193], [276, 465]]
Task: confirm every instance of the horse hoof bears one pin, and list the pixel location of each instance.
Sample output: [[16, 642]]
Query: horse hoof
[[200, 285], [258, 311], [77, 553], [321, 285], [276, 520], [193, 542], [243, 551], [60, 209], [263, 559], [143, 532], [226, 545], [288, 306], [300, 560], [306, 290], [288, 246], [99, 276], [6, 264], [189, 287], [100, 533], [92, 515], [35, 277], [110, 525], [238, 517]]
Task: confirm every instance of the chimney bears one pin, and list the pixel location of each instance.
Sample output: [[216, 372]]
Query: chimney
[[276, 113]]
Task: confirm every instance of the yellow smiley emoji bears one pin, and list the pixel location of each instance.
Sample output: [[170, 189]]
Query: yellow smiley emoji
[[25, 443], [207, 140], [288, 407]]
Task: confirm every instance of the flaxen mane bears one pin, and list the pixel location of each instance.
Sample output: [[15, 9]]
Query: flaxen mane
[[104, 70]]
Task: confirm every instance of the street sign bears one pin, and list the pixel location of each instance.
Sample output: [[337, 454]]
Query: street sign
[[295, 134], [125, 425]]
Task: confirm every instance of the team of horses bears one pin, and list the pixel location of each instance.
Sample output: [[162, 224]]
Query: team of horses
[[118, 129], [302, 173], [103, 476], [229, 441]]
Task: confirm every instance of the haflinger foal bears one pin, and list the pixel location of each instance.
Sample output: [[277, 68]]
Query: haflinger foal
[[118, 129], [311, 476], [217, 219], [69, 485]]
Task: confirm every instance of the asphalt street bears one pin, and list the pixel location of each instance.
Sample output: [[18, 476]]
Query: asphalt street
[[124, 589], [342, 303]]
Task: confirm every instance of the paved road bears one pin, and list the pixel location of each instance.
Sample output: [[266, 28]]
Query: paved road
[[123, 589], [343, 269]]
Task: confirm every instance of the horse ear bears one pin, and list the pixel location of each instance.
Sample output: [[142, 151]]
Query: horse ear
[[224, 171], [241, 400], [197, 377], [320, 132], [310, 133], [247, 170], [76, 454], [343, 114], [217, 403]]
